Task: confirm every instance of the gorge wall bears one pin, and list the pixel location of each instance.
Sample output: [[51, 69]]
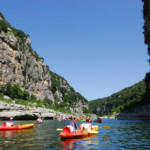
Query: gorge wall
[[143, 111], [146, 14], [132, 102], [20, 65]]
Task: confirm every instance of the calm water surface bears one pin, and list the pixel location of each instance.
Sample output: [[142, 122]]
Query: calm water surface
[[123, 134]]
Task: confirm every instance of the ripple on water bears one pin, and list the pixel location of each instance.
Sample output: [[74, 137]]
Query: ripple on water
[[123, 134]]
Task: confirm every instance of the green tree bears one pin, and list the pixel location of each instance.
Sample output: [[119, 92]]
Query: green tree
[[26, 95]]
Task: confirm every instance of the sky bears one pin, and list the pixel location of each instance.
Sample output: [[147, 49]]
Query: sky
[[96, 45]]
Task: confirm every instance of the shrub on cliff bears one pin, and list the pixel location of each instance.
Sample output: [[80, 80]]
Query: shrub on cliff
[[1, 15], [3, 26], [26, 95], [47, 101], [15, 92], [33, 97]]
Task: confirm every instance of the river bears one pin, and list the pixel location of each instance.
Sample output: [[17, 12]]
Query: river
[[123, 134]]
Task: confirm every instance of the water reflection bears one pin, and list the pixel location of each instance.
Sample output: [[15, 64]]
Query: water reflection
[[15, 133], [11, 136], [81, 142]]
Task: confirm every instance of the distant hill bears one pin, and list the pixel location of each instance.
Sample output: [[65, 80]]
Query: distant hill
[[123, 100]]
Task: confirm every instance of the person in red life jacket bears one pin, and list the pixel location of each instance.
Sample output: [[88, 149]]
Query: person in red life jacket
[[10, 123]]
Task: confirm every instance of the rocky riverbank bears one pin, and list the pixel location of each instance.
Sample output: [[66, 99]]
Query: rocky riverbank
[[110, 117], [21, 112], [139, 113]]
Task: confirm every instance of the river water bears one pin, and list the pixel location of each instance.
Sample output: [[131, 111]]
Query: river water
[[123, 134]]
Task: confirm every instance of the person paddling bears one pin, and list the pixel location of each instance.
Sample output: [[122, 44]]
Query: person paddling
[[73, 122], [86, 125], [40, 120], [10, 123]]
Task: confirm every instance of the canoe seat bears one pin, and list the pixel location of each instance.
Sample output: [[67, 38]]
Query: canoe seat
[[4, 124]]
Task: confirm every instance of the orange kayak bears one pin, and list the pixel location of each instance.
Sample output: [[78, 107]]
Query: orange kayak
[[16, 127], [25, 126]]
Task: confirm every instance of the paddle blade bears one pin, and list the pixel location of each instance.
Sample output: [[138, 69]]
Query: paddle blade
[[105, 127], [59, 129], [93, 132]]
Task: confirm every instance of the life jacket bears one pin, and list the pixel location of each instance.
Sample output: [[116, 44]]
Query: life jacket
[[39, 120], [8, 124], [85, 126]]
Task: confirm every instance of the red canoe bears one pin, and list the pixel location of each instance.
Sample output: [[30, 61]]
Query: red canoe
[[76, 134]]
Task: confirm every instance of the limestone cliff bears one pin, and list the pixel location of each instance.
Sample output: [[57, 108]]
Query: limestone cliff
[[146, 14], [20, 65]]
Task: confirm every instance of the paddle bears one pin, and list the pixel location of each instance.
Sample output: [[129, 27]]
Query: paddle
[[94, 132], [59, 129], [105, 127]]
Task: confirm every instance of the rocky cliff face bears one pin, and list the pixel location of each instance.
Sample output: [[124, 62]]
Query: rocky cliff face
[[20, 65], [21, 68], [106, 109], [146, 14]]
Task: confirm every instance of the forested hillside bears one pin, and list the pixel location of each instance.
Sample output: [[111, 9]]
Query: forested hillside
[[125, 99]]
